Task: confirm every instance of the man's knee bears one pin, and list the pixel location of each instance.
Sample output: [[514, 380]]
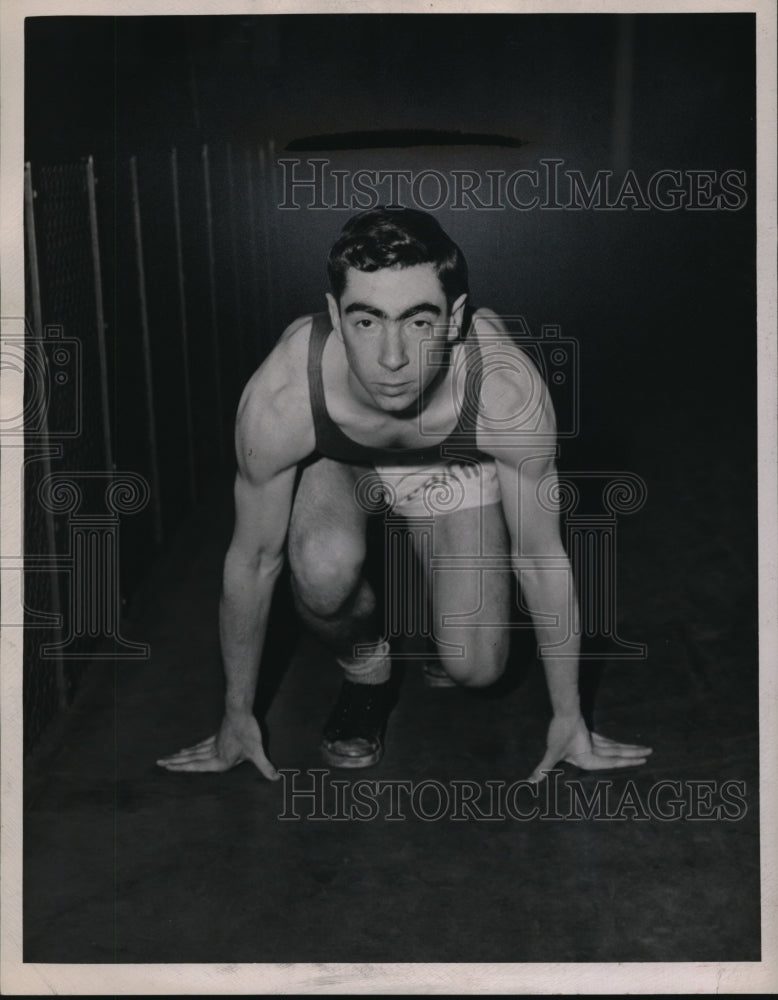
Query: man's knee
[[476, 664], [326, 569]]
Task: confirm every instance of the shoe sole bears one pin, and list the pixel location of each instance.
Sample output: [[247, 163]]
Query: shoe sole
[[434, 679], [348, 762]]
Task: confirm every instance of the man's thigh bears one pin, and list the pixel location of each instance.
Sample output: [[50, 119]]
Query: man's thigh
[[327, 527], [471, 601]]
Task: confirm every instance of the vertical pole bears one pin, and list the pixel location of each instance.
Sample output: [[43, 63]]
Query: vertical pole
[[144, 319], [212, 293], [184, 328], [99, 312], [37, 325], [32, 253], [253, 257], [269, 334], [272, 195], [622, 91], [193, 89], [235, 272]]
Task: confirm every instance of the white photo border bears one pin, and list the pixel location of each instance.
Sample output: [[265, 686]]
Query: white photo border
[[21, 978]]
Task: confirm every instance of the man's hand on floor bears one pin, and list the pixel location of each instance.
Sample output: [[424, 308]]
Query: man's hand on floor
[[569, 740], [239, 739]]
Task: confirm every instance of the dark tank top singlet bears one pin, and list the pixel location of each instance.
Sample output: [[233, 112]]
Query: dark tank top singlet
[[331, 442]]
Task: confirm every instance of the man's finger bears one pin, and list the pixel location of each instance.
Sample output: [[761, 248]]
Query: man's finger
[[264, 766], [200, 766], [621, 751], [175, 758], [188, 755], [209, 742], [595, 762], [203, 753], [547, 764], [193, 752], [603, 741]]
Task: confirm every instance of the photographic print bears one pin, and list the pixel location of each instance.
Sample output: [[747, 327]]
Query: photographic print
[[388, 597]]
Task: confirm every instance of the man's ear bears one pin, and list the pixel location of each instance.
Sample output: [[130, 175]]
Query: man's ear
[[455, 317], [334, 312]]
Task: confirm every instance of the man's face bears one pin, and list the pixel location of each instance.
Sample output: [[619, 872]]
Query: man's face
[[384, 317]]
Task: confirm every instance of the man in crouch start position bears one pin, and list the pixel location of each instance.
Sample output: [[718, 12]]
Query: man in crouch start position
[[399, 383]]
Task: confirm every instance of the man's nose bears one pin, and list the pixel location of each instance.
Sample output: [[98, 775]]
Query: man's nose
[[393, 354]]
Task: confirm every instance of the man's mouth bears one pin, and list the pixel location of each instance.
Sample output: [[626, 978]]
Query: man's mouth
[[393, 388]]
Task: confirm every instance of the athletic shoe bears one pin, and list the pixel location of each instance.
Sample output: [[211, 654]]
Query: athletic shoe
[[354, 732], [435, 676]]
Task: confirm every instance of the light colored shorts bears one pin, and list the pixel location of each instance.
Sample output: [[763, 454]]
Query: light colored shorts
[[442, 488]]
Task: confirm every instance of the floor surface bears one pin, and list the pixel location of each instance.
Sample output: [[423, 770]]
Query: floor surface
[[125, 862]]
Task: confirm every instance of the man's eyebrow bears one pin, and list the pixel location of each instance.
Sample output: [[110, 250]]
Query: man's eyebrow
[[421, 307], [362, 307]]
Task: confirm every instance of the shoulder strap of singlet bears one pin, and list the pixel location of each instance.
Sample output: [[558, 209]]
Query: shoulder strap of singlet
[[471, 402], [320, 330]]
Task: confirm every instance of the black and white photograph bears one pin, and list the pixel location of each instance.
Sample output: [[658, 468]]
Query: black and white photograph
[[388, 483]]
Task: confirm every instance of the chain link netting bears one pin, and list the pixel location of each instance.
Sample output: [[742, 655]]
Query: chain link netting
[[143, 370], [42, 682], [69, 365]]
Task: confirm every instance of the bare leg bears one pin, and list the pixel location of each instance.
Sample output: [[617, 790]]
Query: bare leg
[[327, 554], [471, 607]]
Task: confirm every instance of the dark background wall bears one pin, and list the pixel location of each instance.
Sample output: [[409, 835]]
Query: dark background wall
[[635, 287]]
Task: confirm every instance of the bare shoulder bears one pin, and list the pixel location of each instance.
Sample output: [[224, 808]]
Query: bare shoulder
[[274, 424], [495, 342], [515, 403]]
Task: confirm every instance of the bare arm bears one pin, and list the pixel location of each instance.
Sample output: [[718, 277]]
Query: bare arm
[[272, 435], [543, 569], [529, 488], [251, 568]]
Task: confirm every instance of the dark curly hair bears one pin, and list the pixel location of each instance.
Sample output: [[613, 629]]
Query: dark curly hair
[[391, 237]]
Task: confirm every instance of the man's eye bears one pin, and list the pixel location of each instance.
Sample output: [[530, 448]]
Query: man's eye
[[420, 324], [364, 324]]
